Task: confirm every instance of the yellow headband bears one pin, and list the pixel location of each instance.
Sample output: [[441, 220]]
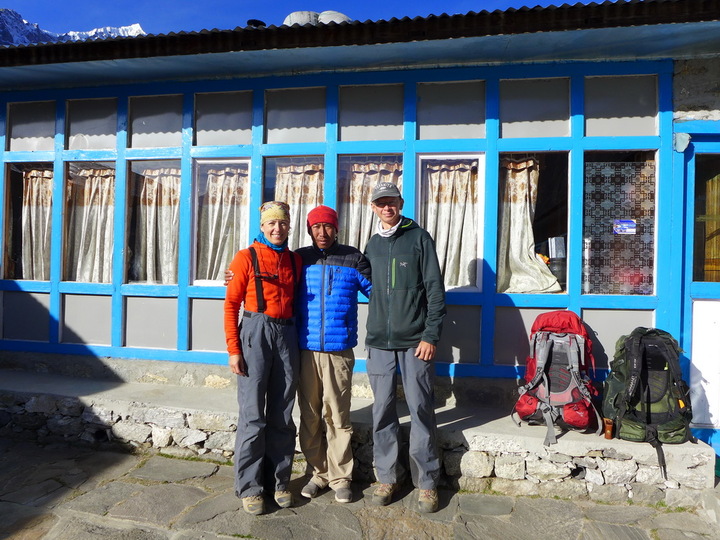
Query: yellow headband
[[274, 210]]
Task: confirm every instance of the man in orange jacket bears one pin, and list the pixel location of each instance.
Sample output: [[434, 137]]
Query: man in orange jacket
[[263, 352]]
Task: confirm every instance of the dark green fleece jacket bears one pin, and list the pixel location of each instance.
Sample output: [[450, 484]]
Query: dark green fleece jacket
[[407, 303]]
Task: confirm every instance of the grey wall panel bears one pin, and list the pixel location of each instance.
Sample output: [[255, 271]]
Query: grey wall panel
[[512, 334], [86, 319], [206, 325], [26, 316], [608, 325], [460, 339], [151, 322]]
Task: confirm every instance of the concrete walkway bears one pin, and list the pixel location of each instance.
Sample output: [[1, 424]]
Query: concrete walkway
[[74, 493]]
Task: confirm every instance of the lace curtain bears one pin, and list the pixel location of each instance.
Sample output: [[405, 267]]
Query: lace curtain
[[35, 224], [154, 226], [222, 219], [449, 212], [89, 212], [356, 179], [519, 269], [299, 182]]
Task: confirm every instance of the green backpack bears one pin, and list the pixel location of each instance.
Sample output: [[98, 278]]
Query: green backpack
[[645, 396]]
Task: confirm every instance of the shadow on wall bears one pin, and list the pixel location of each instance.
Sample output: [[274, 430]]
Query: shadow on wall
[[40, 418]]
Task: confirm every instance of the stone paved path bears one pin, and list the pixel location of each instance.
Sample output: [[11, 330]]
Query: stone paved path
[[59, 492]]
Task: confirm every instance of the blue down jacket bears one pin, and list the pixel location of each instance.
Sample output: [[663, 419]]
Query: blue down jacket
[[326, 300]]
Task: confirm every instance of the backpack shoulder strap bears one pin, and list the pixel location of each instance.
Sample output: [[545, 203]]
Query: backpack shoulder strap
[[258, 279], [633, 356], [540, 350]]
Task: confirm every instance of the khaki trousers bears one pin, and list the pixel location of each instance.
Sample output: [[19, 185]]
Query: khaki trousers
[[325, 428]]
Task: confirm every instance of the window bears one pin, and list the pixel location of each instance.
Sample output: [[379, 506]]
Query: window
[[532, 228], [535, 108], [92, 124], [454, 110], [372, 112], [222, 215], [223, 118], [28, 214], [619, 223], [626, 106], [31, 126], [357, 176], [295, 115], [155, 121], [153, 221], [298, 181], [450, 211], [706, 249], [89, 213]]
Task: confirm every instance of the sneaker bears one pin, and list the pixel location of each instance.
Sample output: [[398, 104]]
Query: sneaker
[[254, 505], [343, 495], [383, 494], [428, 501], [283, 499], [310, 490]]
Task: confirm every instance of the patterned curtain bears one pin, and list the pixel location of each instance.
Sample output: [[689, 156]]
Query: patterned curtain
[[449, 212], [357, 176], [222, 227], [89, 212], [619, 228], [154, 225], [519, 267], [36, 217], [299, 182]]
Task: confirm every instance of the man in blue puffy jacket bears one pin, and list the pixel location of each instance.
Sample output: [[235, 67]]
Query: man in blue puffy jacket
[[326, 312]]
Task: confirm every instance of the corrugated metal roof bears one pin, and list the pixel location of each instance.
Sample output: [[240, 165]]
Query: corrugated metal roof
[[620, 14]]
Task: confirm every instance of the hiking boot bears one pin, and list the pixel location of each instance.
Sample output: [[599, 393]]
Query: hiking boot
[[283, 499], [383, 494], [428, 501], [310, 490], [254, 505], [343, 494]]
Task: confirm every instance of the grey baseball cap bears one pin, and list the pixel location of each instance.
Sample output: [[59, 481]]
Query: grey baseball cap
[[384, 189]]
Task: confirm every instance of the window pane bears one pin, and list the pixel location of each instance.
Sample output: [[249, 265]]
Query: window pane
[[535, 108], [373, 112], [28, 209], [155, 121], [619, 223], [222, 215], [706, 252], [153, 221], [92, 124], [31, 126], [451, 110], [223, 118], [295, 115], [533, 218], [621, 106], [89, 213], [449, 211], [357, 176], [298, 181]]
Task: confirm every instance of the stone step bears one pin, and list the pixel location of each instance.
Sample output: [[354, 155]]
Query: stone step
[[482, 448]]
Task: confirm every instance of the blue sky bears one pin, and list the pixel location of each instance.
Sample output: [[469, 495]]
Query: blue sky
[[163, 16]]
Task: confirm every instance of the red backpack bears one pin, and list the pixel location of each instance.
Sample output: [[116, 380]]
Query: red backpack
[[557, 390]]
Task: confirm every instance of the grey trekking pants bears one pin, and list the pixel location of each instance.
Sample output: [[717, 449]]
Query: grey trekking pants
[[417, 379], [265, 440]]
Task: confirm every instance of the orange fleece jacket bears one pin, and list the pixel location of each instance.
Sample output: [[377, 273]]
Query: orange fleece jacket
[[279, 292]]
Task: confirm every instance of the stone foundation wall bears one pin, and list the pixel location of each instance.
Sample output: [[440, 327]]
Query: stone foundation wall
[[491, 462]]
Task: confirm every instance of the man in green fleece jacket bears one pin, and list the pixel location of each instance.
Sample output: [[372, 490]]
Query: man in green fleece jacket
[[405, 316]]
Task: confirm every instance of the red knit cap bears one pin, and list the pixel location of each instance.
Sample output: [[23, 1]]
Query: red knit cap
[[322, 214]]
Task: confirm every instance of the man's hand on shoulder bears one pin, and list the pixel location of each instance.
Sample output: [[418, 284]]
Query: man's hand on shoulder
[[425, 351]]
